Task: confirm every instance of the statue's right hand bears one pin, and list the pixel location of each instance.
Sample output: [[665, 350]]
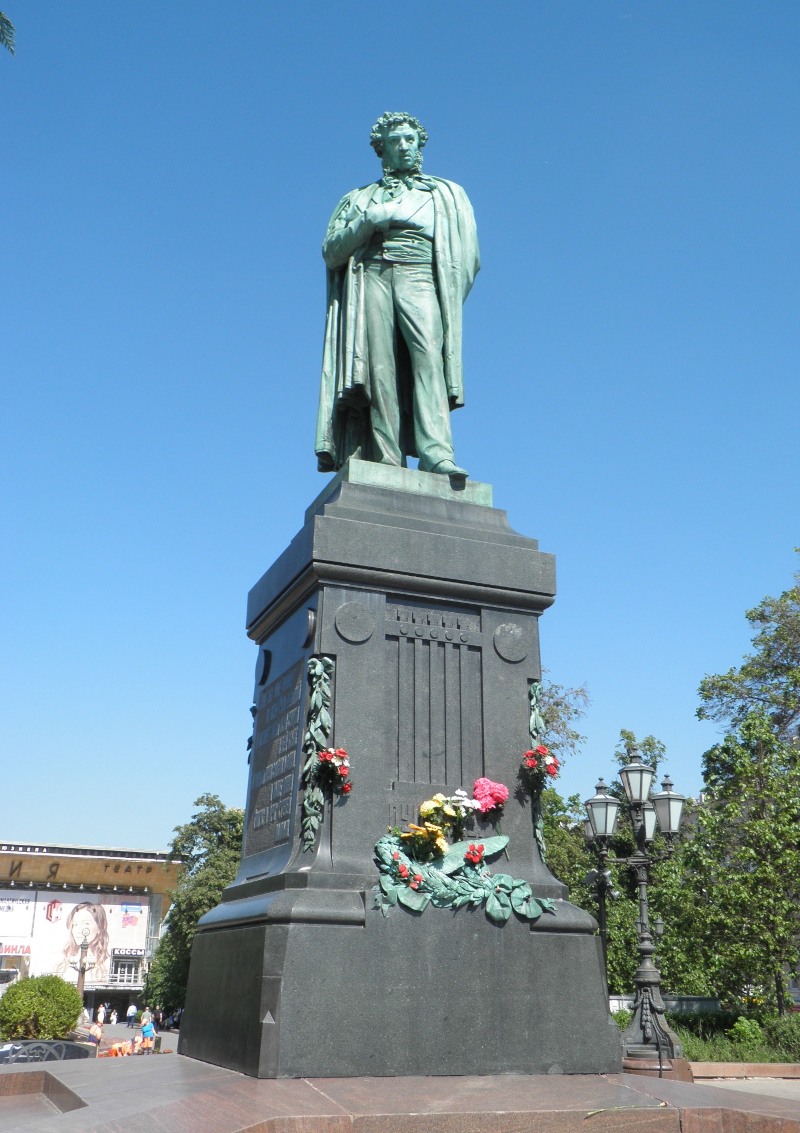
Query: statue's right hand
[[378, 215]]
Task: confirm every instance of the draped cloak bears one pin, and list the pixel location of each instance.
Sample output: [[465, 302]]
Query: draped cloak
[[343, 428]]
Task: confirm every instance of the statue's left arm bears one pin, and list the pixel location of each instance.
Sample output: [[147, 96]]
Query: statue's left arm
[[468, 233]]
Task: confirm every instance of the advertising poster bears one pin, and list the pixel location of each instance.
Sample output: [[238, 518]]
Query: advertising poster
[[16, 915], [106, 922]]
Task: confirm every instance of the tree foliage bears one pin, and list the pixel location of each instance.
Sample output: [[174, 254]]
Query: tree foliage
[[45, 1007], [683, 954], [7, 32], [649, 750], [561, 708], [769, 678], [209, 846], [745, 860]]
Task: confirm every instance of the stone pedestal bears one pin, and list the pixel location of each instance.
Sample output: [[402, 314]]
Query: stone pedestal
[[428, 604]]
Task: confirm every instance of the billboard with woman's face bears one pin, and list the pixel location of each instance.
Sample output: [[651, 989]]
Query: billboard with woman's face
[[105, 922]]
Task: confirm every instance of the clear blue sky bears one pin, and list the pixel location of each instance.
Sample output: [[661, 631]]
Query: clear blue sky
[[631, 353]]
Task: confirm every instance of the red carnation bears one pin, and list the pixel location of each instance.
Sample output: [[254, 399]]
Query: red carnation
[[480, 847], [552, 769], [396, 856], [530, 763], [418, 877], [413, 885], [341, 753], [403, 869], [343, 772], [541, 750], [347, 788]]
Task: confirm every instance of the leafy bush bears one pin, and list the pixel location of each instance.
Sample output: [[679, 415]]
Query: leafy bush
[[703, 1024], [746, 1031], [784, 1035], [45, 1007], [622, 1018], [720, 1048]]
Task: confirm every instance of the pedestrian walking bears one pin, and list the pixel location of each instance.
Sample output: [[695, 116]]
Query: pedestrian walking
[[101, 1014], [148, 1036], [114, 1017], [131, 1015]]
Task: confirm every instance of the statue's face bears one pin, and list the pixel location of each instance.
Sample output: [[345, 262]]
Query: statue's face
[[400, 147]]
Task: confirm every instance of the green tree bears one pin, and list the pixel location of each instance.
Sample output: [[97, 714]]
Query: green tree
[[649, 750], [769, 678], [7, 32], [570, 860], [745, 860], [684, 952], [209, 846]]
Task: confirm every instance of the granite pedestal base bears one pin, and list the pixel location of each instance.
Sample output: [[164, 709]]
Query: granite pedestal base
[[427, 603]]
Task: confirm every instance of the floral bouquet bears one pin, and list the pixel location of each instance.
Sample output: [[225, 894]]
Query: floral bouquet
[[332, 771], [537, 765], [490, 798], [450, 811]]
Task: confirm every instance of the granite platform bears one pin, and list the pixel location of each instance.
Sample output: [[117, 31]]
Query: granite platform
[[173, 1094]]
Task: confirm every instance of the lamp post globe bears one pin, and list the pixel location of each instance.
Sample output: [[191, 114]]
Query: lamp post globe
[[649, 817], [637, 779], [669, 808], [603, 810]]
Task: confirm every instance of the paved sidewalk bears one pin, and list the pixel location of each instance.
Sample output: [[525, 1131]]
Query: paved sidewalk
[[181, 1095], [770, 1087]]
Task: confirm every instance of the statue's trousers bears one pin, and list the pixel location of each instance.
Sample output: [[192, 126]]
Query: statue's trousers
[[402, 299]]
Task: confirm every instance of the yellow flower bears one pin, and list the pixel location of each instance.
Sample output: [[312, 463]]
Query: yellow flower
[[449, 811], [428, 807], [441, 844], [438, 799]]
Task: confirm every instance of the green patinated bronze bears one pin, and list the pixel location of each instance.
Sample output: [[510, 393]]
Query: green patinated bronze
[[355, 471], [453, 883], [536, 728], [402, 255], [318, 728]]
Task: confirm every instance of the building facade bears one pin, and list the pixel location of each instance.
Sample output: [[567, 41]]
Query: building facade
[[52, 898]]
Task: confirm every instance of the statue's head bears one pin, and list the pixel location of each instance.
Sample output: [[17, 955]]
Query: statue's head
[[397, 140]]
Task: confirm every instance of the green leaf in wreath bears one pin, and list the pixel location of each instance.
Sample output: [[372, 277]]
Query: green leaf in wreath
[[390, 889], [503, 881], [532, 909], [520, 898], [412, 899], [495, 910], [453, 860]]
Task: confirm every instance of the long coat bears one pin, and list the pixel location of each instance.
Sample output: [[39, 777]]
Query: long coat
[[343, 419]]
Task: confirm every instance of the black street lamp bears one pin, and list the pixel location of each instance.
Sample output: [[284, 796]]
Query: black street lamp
[[648, 1035]]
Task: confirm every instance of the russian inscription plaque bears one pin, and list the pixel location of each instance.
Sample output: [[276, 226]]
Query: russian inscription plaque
[[275, 762]]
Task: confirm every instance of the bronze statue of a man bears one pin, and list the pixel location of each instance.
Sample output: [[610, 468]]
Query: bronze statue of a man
[[402, 254]]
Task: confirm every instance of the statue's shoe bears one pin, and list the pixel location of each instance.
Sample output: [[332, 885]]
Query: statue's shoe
[[448, 468]]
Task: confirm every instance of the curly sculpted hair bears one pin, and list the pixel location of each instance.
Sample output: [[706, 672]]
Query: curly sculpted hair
[[385, 123]]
